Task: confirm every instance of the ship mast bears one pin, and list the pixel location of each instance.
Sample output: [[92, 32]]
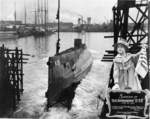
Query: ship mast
[[45, 6], [25, 14], [35, 19], [47, 14], [2, 10], [41, 11], [38, 12], [58, 18], [15, 15]]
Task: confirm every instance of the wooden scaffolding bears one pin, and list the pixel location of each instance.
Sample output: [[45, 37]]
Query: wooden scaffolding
[[11, 77]]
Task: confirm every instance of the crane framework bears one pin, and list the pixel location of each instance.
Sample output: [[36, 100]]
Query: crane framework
[[131, 21]]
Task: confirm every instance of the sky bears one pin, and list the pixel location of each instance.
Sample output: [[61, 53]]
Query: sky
[[99, 10]]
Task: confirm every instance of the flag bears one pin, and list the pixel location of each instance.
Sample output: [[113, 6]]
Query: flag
[[142, 65]]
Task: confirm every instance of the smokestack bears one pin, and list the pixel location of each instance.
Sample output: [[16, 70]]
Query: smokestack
[[89, 20]]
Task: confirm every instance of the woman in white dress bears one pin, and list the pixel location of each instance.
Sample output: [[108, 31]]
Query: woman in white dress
[[124, 73]]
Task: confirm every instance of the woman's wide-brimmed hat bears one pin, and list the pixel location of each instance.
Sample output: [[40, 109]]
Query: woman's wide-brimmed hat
[[122, 42]]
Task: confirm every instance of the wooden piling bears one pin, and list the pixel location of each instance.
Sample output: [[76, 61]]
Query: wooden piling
[[11, 77]]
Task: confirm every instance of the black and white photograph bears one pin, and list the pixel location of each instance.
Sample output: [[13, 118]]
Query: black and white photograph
[[75, 59]]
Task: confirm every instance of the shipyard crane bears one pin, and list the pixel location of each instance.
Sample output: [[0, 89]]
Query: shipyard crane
[[135, 29]]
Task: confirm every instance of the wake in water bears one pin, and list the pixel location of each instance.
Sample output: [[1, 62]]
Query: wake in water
[[85, 104]]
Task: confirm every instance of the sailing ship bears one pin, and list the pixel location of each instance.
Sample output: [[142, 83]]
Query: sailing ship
[[24, 30], [65, 71], [41, 20]]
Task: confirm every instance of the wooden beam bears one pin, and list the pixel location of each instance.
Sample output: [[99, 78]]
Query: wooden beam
[[108, 58], [108, 55], [104, 60], [143, 13], [149, 50], [149, 40], [110, 51], [127, 36]]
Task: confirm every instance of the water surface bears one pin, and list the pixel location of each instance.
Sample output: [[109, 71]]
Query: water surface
[[85, 103]]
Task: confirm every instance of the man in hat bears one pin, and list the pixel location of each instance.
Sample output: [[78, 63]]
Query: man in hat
[[124, 73]]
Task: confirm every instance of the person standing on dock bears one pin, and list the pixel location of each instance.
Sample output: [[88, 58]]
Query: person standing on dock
[[125, 75]]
